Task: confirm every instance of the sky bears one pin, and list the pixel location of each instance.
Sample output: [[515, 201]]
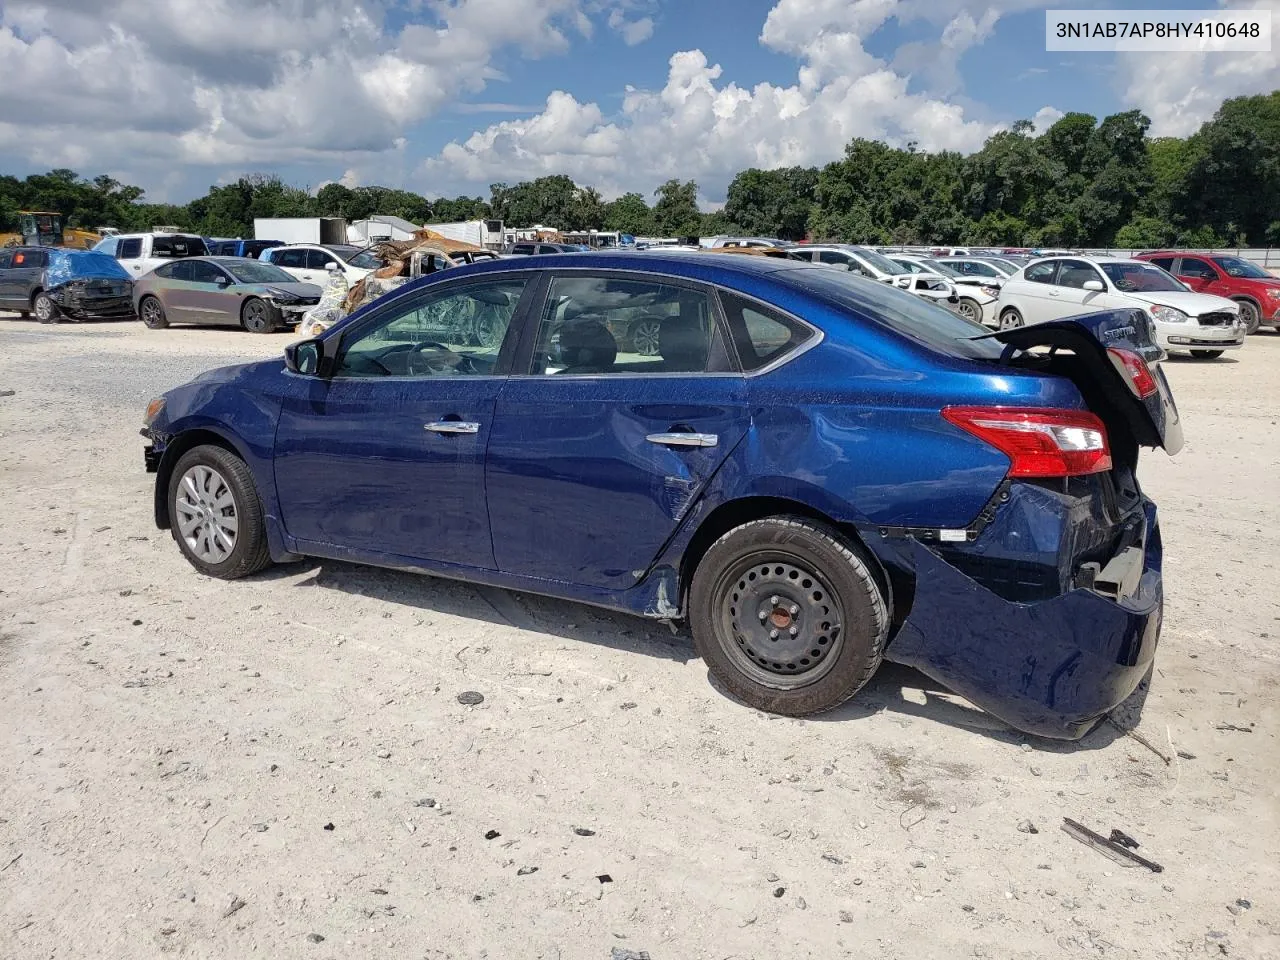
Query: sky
[[444, 97]]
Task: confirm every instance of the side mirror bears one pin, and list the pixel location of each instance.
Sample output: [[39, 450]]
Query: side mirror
[[1094, 286], [331, 266], [304, 357], [223, 280]]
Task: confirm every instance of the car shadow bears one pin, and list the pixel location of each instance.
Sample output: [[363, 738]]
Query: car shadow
[[894, 688], [1180, 358]]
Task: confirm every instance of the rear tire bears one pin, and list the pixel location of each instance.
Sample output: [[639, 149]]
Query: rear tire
[[45, 309], [643, 336], [1011, 319], [215, 514], [1207, 354], [256, 316], [151, 312], [764, 579], [1251, 316]]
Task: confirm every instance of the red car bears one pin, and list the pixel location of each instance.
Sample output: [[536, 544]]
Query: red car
[[1223, 275]]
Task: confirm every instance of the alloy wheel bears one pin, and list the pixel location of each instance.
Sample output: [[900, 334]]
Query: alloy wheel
[[644, 337], [256, 317]]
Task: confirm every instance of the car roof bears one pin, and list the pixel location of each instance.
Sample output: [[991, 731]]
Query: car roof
[[690, 264]]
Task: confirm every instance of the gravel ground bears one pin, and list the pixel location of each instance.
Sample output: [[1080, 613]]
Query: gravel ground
[[281, 766]]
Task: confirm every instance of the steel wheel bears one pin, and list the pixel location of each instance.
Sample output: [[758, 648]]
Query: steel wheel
[[206, 514], [969, 309], [256, 317], [1010, 319], [781, 623], [45, 309], [644, 337], [152, 314]]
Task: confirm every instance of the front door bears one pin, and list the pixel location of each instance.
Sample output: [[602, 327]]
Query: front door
[[598, 452], [1036, 294], [209, 294], [1070, 298], [386, 456], [1197, 274]]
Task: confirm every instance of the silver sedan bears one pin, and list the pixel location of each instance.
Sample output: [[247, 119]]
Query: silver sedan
[[236, 291]]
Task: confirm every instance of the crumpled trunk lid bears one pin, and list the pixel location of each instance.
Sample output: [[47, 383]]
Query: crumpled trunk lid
[[1079, 349]]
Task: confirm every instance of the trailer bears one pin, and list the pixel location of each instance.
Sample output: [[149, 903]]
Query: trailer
[[479, 233], [325, 230]]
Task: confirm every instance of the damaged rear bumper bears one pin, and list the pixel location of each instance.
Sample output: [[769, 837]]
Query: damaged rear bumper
[[1053, 667]]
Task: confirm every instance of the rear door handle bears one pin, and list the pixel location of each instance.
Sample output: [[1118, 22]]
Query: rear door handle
[[680, 439], [451, 426]]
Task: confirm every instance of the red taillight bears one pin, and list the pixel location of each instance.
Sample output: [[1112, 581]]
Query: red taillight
[[1039, 442], [1135, 371]]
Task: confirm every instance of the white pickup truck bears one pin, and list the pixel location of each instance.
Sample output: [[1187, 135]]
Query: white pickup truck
[[141, 253]]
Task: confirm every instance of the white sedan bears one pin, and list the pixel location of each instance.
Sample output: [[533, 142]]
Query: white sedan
[[1058, 287], [311, 262]]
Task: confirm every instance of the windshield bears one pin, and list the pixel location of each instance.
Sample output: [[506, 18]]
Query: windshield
[[937, 266], [1238, 267], [1137, 277], [363, 259], [904, 313], [257, 271], [880, 262]]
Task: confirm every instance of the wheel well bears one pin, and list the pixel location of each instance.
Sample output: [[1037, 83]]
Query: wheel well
[[1244, 297], [177, 447], [897, 584], [35, 293]]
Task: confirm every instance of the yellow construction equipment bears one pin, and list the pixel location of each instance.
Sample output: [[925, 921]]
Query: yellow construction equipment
[[43, 228]]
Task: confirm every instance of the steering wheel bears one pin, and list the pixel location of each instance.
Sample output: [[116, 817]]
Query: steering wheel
[[445, 362]]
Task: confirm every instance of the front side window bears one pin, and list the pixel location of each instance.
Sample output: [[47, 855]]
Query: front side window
[[202, 271], [130, 248], [523, 248], [1191, 267], [1042, 272], [1076, 273], [833, 256], [319, 260], [600, 326], [439, 333], [761, 335]]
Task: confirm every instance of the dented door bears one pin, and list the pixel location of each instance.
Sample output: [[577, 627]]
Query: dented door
[[581, 487]]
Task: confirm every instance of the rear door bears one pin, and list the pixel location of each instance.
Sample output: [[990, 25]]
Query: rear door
[[9, 298], [175, 290], [129, 252], [26, 271], [597, 453], [385, 458]]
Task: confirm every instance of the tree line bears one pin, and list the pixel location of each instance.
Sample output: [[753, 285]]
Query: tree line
[[1079, 183]]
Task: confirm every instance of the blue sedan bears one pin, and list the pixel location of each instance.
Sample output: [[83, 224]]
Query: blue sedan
[[816, 471]]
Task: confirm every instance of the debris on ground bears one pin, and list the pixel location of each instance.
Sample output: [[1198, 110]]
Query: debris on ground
[[235, 905], [1026, 826], [315, 937], [469, 698], [1107, 848], [617, 953], [584, 832], [779, 892], [1122, 838], [492, 835], [425, 802], [1232, 728], [525, 871], [329, 827], [605, 878]]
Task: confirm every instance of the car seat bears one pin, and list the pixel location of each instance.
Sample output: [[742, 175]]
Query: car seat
[[682, 343], [587, 346]]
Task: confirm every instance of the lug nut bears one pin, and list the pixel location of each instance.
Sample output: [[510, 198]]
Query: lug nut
[[773, 634], [774, 600], [794, 631], [794, 609], [764, 614]]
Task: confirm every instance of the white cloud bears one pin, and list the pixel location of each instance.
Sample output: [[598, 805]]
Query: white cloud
[[633, 31], [1046, 117], [1180, 91]]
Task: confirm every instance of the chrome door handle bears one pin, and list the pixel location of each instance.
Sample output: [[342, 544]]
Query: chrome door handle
[[451, 426], [678, 439]]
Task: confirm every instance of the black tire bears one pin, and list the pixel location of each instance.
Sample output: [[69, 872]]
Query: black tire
[[44, 308], [970, 309], [258, 316], [151, 313], [1207, 354], [1010, 319], [249, 553], [1251, 316], [780, 563]]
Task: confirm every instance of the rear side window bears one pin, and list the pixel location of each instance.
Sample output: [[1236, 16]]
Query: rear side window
[[525, 248], [1164, 263], [202, 271], [761, 335], [296, 259], [31, 258], [1076, 273], [549, 248], [130, 248], [1042, 272], [6, 260]]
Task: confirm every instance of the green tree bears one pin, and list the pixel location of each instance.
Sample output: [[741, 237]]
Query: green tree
[[772, 202], [676, 213], [630, 214]]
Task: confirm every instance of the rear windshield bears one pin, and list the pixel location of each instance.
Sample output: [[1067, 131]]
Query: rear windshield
[[902, 312], [178, 246]]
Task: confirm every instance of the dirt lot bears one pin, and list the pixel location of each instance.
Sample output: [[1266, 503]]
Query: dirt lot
[[207, 769]]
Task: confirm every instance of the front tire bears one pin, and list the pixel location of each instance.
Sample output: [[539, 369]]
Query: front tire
[[788, 616], [44, 308], [1207, 354], [969, 309], [257, 317], [215, 514], [151, 310], [1011, 319]]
